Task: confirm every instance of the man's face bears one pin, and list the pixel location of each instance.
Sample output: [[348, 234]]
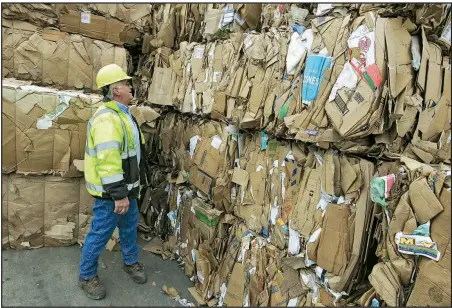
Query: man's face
[[124, 93]]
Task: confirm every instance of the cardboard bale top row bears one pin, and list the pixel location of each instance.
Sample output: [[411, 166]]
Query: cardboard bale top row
[[364, 85], [50, 57], [277, 222], [115, 23], [169, 24], [175, 23], [44, 129], [161, 24]]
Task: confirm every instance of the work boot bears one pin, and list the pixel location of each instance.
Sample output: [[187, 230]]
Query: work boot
[[93, 288], [136, 271]]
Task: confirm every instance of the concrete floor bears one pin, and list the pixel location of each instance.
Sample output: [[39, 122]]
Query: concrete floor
[[48, 277]]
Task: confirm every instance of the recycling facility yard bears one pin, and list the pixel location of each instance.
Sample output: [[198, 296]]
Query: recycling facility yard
[[297, 154]]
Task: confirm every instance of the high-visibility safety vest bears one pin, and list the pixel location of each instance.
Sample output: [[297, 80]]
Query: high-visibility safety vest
[[111, 164]]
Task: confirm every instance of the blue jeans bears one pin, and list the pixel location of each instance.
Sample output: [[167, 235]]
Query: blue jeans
[[104, 223]]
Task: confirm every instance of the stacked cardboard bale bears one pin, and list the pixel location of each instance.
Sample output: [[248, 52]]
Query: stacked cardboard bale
[[317, 215], [43, 143], [258, 81], [49, 69], [115, 23], [52, 57], [275, 185], [278, 142]]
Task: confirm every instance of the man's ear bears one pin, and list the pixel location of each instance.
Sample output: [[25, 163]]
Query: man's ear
[[115, 91]]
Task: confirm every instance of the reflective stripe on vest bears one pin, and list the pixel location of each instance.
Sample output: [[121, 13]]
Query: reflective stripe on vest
[[132, 186], [97, 188], [103, 146], [89, 151], [100, 189], [112, 179], [107, 145]]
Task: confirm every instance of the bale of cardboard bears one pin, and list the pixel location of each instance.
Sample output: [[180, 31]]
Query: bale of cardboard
[[42, 211], [296, 201], [115, 23], [51, 57], [296, 136], [46, 211], [269, 208], [318, 84], [44, 129]]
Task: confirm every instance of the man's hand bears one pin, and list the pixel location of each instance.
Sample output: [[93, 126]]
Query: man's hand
[[122, 206]]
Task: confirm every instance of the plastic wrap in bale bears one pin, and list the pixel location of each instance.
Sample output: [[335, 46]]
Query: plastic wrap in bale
[[298, 46], [313, 74]]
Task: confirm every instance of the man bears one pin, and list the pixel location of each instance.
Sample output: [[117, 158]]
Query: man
[[113, 163]]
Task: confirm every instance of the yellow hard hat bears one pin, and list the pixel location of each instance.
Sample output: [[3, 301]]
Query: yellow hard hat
[[110, 74]]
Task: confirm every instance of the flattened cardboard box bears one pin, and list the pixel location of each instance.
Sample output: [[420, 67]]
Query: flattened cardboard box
[[97, 27], [204, 212], [14, 33], [206, 219], [348, 112], [333, 249], [44, 129], [236, 285], [308, 197], [432, 285], [358, 230], [398, 41], [424, 202], [127, 13], [61, 209], [162, 86], [249, 14], [207, 155], [144, 114], [387, 283], [124, 23], [201, 180]]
